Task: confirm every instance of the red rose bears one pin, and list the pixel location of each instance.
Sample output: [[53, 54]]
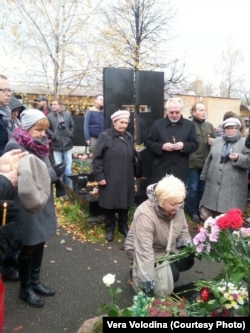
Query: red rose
[[204, 294]]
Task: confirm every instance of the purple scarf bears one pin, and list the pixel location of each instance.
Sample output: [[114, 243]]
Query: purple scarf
[[39, 147]]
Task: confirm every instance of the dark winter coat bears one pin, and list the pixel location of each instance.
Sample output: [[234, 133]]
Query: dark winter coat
[[113, 161], [61, 134], [39, 227], [6, 189], [6, 127], [171, 162], [7, 232], [247, 142]]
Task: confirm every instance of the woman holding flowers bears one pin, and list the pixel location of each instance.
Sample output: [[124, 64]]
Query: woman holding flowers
[[148, 236], [226, 172]]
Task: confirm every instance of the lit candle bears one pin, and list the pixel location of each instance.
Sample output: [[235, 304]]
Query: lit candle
[[4, 213], [173, 139]]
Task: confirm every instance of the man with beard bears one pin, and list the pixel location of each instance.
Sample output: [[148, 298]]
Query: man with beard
[[171, 140]]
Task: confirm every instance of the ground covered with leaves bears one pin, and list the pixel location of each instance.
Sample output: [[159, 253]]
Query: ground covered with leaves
[[73, 217]]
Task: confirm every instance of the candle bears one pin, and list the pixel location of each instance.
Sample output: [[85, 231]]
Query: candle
[[4, 213], [173, 139]]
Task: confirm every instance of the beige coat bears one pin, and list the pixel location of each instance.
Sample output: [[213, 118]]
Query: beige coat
[[148, 236]]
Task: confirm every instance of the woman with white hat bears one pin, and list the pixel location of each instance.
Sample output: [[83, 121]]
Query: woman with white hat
[[113, 168], [226, 172]]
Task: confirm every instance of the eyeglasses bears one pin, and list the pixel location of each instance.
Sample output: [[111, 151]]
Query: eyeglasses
[[6, 90], [176, 205], [231, 127], [172, 205]]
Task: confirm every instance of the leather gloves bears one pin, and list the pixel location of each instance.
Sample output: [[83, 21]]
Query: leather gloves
[[148, 288], [59, 169], [182, 243], [12, 211], [149, 293], [60, 189]]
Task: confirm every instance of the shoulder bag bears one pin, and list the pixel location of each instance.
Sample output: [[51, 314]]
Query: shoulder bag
[[164, 282]]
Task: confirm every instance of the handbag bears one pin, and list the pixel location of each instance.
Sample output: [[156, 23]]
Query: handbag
[[137, 165], [164, 282]]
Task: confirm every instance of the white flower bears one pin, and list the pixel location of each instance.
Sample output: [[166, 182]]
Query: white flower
[[108, 279]]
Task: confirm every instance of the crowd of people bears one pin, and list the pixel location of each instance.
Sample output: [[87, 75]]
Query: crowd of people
[[196, 170]]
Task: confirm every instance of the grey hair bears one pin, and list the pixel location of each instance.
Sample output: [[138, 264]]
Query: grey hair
[[175, 101]]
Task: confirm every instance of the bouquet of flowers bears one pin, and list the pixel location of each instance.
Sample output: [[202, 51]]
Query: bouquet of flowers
[[213, 299], [224, 239], [220, 299], [220, 239]]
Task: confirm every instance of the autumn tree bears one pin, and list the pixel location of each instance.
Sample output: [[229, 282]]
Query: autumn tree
[[245, 96], [135, 34], [50, 38], [228, 67], [200, 88], [60, 46]]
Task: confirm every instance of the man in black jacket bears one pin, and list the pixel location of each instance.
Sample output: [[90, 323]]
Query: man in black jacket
[[171, 140], [61, 132]]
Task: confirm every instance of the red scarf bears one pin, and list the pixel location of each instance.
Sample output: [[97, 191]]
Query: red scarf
[[40, 147]]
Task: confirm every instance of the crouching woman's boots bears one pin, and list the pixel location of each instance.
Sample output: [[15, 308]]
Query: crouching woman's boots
[[38, 286], [26, 292]]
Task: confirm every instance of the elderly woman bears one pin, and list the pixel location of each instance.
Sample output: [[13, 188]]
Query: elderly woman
[[35, 227], [113, 168], [226, 172], [148, 236]]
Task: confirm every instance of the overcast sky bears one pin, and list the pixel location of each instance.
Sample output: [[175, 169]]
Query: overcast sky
[[205, 28]]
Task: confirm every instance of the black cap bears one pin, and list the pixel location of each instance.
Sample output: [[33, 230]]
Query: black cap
[[41, 98]]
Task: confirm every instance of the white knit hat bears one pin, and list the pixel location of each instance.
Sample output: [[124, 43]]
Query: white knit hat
[[30, 116], [120, 114], [231, 122]]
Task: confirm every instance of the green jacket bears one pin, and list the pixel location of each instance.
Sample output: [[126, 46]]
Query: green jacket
[[203, 130]]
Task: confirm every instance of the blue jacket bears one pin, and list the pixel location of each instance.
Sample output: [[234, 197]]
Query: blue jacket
[[93, 123]]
